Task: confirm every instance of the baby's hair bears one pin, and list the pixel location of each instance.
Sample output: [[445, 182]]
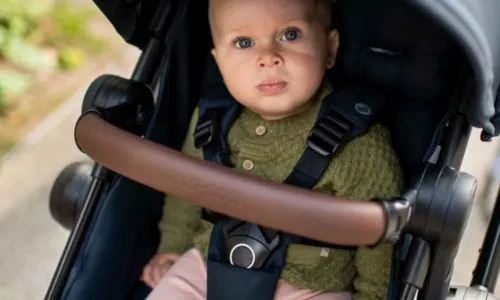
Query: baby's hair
[[325, 10]]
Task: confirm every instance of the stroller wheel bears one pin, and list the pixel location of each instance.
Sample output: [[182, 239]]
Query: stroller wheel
[[68, 192]]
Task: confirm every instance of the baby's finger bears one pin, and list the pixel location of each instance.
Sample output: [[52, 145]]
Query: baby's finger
[[159, 271], [147, 276], [172, 256], [155, 274]]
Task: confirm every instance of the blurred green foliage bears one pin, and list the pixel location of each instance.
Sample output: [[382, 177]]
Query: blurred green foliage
[[38, 36]]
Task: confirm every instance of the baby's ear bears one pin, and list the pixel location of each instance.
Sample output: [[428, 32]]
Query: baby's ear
[[333, 44]]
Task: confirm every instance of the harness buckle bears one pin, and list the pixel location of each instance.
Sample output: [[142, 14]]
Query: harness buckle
[[328, 134], [249, 246]]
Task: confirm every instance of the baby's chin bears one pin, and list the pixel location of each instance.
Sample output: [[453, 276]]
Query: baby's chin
[[276, 112]]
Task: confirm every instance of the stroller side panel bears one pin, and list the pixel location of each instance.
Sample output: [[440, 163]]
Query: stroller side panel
[[124, 232], [119, 242]]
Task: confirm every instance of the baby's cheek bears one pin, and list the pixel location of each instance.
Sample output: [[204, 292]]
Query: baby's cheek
[[309, 84], [312, 75], [238, 86], [309, 64]]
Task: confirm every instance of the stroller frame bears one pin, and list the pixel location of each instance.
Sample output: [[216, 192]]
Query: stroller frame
[[418, 261]]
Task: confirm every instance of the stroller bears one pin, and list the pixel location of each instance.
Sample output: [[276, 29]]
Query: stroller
[[435, 63]]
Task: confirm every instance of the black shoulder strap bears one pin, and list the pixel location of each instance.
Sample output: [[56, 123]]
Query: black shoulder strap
[[344, 115], [216, 115]]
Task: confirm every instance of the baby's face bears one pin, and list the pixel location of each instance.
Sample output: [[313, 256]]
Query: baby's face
[[272, 53]]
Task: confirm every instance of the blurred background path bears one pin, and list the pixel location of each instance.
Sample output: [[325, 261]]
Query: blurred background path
[[31, 242]]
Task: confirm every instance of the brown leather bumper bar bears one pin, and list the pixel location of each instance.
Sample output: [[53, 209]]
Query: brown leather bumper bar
[[244, 196]]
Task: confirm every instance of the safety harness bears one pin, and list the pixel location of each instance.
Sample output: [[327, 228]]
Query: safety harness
[[245, 260]]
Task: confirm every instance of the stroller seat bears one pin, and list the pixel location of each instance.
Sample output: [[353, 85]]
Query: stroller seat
[[388, 46]]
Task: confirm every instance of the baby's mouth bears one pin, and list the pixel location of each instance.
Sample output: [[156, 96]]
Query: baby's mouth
[[272, 87]]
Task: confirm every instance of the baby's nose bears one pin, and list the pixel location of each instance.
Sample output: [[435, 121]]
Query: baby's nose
[[270, 59]]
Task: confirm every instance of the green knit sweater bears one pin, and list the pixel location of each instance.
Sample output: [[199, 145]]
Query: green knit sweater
[[365, 168]]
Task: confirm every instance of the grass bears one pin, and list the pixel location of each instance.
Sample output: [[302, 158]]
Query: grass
[[68, 26], [62, 40], [65, 29]]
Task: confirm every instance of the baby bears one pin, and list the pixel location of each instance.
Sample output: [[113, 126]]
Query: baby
[[273, 55]]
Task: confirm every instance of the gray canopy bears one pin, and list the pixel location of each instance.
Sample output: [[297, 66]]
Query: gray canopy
[[475, 25]]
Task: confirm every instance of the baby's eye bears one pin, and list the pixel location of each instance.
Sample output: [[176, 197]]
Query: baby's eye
[[291, 35], [243, 43]]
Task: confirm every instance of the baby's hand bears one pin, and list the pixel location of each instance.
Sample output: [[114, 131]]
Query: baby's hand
[[157, 267]]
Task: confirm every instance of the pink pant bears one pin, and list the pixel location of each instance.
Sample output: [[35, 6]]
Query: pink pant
[[187, 278]]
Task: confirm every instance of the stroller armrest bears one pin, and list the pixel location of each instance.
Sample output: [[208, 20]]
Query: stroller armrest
[[227, 191]]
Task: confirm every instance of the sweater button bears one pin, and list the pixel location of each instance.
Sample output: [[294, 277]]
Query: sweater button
[[248, 165], [260, 130]]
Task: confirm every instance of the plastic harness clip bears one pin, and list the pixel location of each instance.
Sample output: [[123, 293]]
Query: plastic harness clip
[[206, 129], [328, 134]]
